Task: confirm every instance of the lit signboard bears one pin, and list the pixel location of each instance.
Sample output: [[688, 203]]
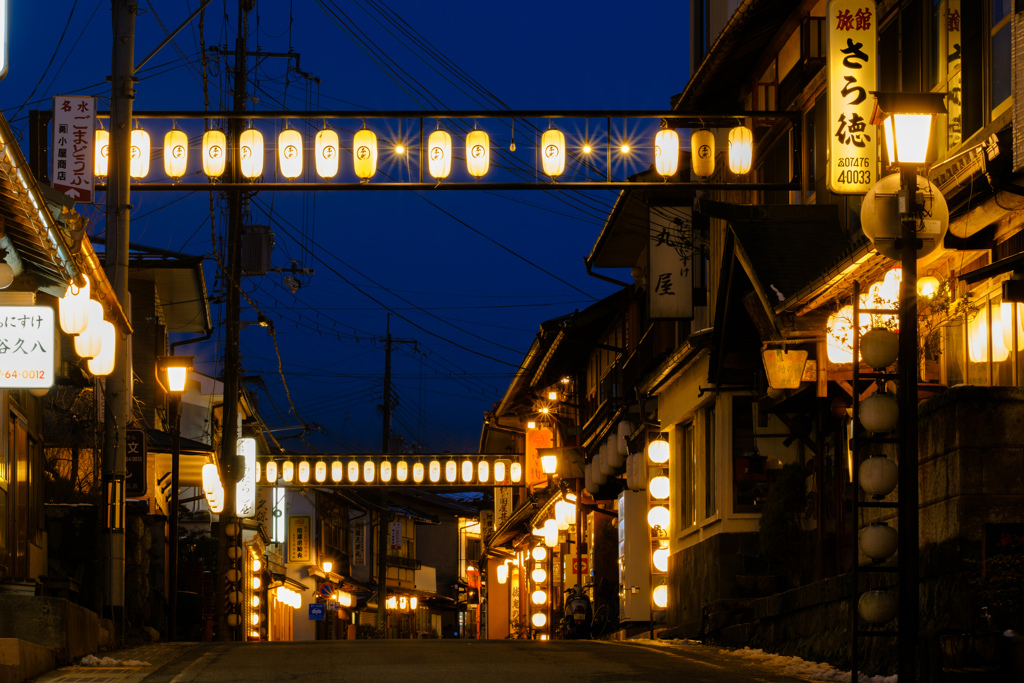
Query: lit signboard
[[26, 347], [852, 76], [245, 493]]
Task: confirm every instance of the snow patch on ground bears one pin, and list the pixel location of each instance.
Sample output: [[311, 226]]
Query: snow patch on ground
[[793, 666], [93, 660]]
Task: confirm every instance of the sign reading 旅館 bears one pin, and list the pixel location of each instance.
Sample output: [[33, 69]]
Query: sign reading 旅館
[[852, 76], [26, 347]]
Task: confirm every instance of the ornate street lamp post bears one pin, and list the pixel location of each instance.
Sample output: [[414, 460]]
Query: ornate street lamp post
[[171, 372]]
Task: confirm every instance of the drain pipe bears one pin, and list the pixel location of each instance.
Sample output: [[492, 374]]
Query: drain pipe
[[176, 344], [591, 273]]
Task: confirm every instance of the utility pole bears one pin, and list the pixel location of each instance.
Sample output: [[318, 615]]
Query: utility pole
[[383, 516], [117, 388], [232, 357]]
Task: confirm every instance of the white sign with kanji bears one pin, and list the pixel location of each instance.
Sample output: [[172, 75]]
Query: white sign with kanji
[[74, 131], [852, 76], [26, 347], [673, 253]]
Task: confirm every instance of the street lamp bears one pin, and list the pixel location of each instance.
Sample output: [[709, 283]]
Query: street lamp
[[907, 120], [173, 369]]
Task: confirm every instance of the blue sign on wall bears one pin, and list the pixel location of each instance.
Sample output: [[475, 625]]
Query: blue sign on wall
[[317, 611]]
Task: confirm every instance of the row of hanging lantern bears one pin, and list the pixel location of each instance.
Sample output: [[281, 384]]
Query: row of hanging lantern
[[658, 517], [538, 578], [369, 471], [288, 597], [82, 318], [213, 489], [402, 603], [327, 153]]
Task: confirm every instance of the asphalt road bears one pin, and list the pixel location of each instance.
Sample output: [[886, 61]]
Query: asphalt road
[[428, 661]]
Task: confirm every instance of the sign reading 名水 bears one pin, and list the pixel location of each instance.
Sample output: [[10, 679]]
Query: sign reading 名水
[[26, 347], [852, 76], [74, 131]]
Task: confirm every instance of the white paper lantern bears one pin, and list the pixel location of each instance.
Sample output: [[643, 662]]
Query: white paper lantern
[[328, 154], [288, 471], [659, 487], [879, 413], [337, 471], [657, 517], [90, 341], [666, 152], [434, 471], [602, 461], [364, 154], [102, 152], [289, 153], [539, 620], [615, 457], [879, 541], [588, 480], [402, 470], [352, 471], [879, 347], [877, 607], [622, 432], [215, 153], [369, 471], [515, 472], [478, 153], [702, 146], [175, 153], [141, 153], [439, 154], [502, 572], [303, 472], [250, 149], [320, 471], [550, 533], [539, 553], [741, 150], [271, 473], [483, 471], [878, 476], [539, 597], [102, 364], [657, 451], [500, 471], [660, 596], [74, 308], [385, 471], [539, 575], [660, 559], [467, 471], [552, 152], [417, 472]]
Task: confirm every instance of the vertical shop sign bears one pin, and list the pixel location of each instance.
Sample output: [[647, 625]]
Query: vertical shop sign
[[502, 505], [359, 544], [300, 547], [673, 255], [954, 105], [245, 491], [135, 484], [396, 535], [74, 130], [535, 440], [852, 76]]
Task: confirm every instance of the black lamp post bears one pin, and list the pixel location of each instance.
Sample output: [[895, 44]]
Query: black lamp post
[[907, 120], [173, 369]]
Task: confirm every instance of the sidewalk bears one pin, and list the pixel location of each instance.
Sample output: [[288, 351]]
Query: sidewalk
[[125, 665]]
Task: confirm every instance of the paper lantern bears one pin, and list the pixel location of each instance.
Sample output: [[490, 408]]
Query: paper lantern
[[550, 533], [289, 153], [660, 559], [385, 471], [102, 364], [657, 451], [615, 457], [402, 470], [702, 146], [139, 167], [879, 413], [368, 471], [659, 487], [877, 607], [417, 472], [483, 471], [660, 596], [451, 471], [539, 553], [250, 149], [539, 620], [74, 308], [303, 472], [539, 575], [603, 462], [353, 472], [175, 153], [552, 152], [320, 471], [102, 152], [210, 478], [878, 476], [879, 541], [658, 517], [741, 150], [326, 149], [467, 471], [478, 153], [90, 341], [500, 471], [288, 471], [215, 153], [364, 154], [515, 472], [271, 472], [879, 347], [666, 152], [538, 597], [439, 154]]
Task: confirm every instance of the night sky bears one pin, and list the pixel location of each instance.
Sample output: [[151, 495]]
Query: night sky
[[468, 276]]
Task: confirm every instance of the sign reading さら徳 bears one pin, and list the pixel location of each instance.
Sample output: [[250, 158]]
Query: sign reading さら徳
[[852, 75], [74, 132], [26, 347]]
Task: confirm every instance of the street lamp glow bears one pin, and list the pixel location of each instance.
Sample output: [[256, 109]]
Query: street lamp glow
[[549, 463]]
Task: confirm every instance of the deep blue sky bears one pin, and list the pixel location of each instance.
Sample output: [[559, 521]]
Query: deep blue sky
[[460, 288]]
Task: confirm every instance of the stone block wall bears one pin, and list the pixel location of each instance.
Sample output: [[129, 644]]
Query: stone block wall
[[66, 629]]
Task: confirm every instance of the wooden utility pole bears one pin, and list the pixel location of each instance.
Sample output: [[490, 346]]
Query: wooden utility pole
[[232, 357], [117, 390]]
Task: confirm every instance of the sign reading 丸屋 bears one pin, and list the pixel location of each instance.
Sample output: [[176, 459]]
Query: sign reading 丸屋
[[673, 254], [74, 130], [26, 347], [852, 76]]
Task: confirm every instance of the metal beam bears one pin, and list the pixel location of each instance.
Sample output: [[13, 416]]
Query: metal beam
[[445, 186]]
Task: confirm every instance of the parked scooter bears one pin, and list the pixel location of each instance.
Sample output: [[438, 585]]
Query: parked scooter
[[578, 615]]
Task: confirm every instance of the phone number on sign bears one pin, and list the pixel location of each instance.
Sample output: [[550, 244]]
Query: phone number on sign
[[23, 374]]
